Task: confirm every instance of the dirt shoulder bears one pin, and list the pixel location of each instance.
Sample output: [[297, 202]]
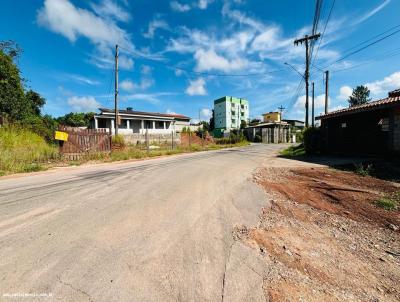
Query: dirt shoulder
[[323, 237]]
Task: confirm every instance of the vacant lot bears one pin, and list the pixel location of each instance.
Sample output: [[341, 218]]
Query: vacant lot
[[327, 237]]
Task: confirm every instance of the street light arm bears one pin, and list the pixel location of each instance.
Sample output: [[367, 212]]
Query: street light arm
[[291, 66]]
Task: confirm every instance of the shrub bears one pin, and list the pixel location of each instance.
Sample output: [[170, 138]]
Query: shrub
[[386, 203], [294, 151], [362, 170], [312, 140], [118, 140], [21, 150]]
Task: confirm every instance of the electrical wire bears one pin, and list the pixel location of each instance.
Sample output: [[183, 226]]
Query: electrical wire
[[363, 48], [323, 33]]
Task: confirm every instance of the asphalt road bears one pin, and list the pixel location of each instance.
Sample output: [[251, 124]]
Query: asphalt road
[[154, 230]]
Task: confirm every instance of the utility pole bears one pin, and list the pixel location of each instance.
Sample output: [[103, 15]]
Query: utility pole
[[281, 108], [312, 110], [116, 91], [326, 91], [202, 130], [306, 40]]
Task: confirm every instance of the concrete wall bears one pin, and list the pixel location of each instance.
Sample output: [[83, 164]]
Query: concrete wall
[[160, 139]]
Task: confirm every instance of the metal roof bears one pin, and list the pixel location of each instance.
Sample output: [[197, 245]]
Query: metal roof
[[392, 100], [143, 113]]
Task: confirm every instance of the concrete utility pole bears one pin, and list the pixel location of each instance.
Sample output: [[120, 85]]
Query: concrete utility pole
[[326, 91], [116, 91], [306, 40], [312, 111]]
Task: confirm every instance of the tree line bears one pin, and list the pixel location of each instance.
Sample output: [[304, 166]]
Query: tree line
[[22, 106]]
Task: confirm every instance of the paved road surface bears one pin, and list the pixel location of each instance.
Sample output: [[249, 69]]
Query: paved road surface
[[155, 230]]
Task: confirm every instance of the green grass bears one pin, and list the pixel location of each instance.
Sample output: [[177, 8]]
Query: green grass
[[390, 202], [294, 151], [23, 151]]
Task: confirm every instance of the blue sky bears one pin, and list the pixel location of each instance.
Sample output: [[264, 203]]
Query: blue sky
[[68, 52]]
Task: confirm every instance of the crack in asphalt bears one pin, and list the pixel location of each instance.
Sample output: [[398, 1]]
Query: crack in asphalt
[[75, 289], [224, 275]]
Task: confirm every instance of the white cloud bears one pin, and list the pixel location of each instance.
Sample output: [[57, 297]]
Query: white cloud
[[83, 104], [169, 111], [196, 87], [63, 17], [319, 102], [203, 4], [153, 26], [176, 6], [110, 9], [127, 85], [372, 12], [344, 93], [146, 80], [209, 60], [80, 79], [205, 114], [382, 87]]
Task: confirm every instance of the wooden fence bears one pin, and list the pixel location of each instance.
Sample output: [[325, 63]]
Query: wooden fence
[[84, 141]]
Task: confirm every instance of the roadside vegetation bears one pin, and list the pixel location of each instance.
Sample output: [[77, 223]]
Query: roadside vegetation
[[389, 202], [27, 135], [294, 151], [21, 150]]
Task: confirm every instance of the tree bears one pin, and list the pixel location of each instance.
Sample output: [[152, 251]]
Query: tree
[[243, 124], [12, 96], [254, 122], [359, 96], [212, 122], [35, 101], [76, 119]]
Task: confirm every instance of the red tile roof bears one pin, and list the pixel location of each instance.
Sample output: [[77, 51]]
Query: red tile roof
[[392, 100]]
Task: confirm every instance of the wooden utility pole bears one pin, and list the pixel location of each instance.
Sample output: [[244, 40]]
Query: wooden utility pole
[[116, 91], [312, 110], [326, 91], [306, 40]]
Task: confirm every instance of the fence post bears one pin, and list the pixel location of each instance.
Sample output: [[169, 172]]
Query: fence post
[[147, 141], [172, 139]]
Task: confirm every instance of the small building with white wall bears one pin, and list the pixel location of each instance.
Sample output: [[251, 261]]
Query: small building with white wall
[[139, 122]]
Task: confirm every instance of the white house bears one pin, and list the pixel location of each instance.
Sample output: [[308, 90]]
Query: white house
[[139, 122]]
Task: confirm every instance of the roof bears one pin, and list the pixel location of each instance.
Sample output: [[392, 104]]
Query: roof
[[156, 114], [261, 125], [288, 120], [393, 99]]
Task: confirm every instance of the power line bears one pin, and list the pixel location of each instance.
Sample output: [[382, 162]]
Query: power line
[[384, 56], [317, 16], [202, 73], [364, 47], [323, 33], [374, 37]]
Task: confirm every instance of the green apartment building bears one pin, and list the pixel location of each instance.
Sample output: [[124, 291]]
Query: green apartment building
[[228, 114]]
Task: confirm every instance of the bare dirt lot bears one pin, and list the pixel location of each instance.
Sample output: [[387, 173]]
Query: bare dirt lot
[[324, 239]]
